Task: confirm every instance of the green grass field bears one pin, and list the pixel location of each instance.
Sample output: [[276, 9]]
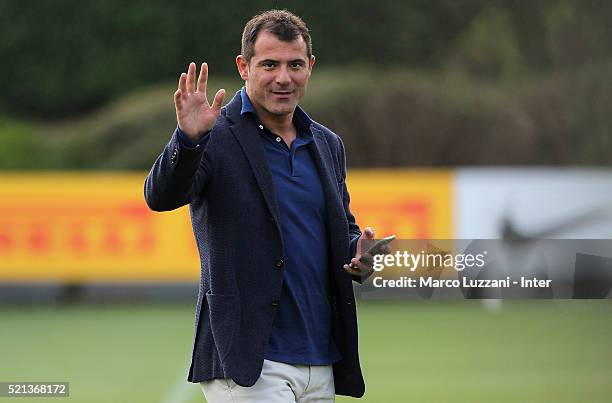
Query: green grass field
[[527, 351]]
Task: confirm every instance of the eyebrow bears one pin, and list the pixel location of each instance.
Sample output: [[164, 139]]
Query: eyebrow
[[301, 61]]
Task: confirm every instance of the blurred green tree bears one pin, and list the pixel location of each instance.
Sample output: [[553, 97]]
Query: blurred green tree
[[61, 58]]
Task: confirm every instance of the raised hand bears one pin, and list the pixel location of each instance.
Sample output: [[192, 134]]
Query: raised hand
[[195, 116]]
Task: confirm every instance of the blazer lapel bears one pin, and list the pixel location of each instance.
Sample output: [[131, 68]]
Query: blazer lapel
[[249, 139], [324, 162], [251, 144]]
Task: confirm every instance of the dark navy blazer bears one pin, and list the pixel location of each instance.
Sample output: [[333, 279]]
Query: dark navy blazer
[[227, 182]]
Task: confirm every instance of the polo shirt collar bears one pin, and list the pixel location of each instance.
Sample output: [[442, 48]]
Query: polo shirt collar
[[300, 118]]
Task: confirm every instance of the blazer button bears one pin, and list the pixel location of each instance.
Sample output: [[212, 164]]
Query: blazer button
[[279, 263], [274, 303]]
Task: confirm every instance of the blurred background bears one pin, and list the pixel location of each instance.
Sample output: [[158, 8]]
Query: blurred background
[[470, 119]]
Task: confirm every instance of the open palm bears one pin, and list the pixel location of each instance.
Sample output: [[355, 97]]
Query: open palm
[[194, 114]]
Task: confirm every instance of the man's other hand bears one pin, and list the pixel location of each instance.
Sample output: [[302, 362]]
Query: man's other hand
[[195, 116], [358, 266]]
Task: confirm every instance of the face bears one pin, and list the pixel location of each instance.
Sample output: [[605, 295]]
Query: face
[[277, 75]]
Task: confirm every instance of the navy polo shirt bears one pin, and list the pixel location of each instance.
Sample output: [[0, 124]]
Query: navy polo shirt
[[301, 332]]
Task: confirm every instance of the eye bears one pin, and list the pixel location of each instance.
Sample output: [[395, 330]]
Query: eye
[[296, 65], [268, 65]]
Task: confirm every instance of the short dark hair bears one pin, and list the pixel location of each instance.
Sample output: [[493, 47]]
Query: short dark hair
[[283, 24]]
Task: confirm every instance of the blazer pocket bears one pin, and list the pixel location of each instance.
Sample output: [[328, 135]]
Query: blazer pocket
[[224, 321]]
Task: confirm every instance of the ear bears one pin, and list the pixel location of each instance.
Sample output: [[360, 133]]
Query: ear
[[311, 62], [243, 67]]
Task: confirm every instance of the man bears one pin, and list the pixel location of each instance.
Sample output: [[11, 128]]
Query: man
[[275, 316]]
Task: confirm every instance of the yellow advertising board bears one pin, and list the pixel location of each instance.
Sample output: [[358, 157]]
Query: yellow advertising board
[[90, 227], [96, 227], [411, 204]]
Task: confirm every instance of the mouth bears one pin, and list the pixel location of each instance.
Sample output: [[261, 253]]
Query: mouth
[[282, 94]]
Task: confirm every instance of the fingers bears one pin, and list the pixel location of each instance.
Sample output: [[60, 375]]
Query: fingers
[[187, 81], [203, 78], [178, 101], [182, 88], [191, 80], [351, 270], [355, 264], [216, 106], [183, 83], [369, 233], [357, 268]]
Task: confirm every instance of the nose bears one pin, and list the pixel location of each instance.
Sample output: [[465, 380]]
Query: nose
[[283, 77]]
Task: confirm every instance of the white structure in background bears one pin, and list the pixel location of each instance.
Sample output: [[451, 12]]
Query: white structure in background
[[532, 204], [557, 203]]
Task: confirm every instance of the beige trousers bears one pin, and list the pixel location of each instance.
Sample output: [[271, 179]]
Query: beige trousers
[[278, 383]]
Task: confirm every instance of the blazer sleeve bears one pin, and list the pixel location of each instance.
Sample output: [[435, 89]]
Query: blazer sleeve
[[179, 173]]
